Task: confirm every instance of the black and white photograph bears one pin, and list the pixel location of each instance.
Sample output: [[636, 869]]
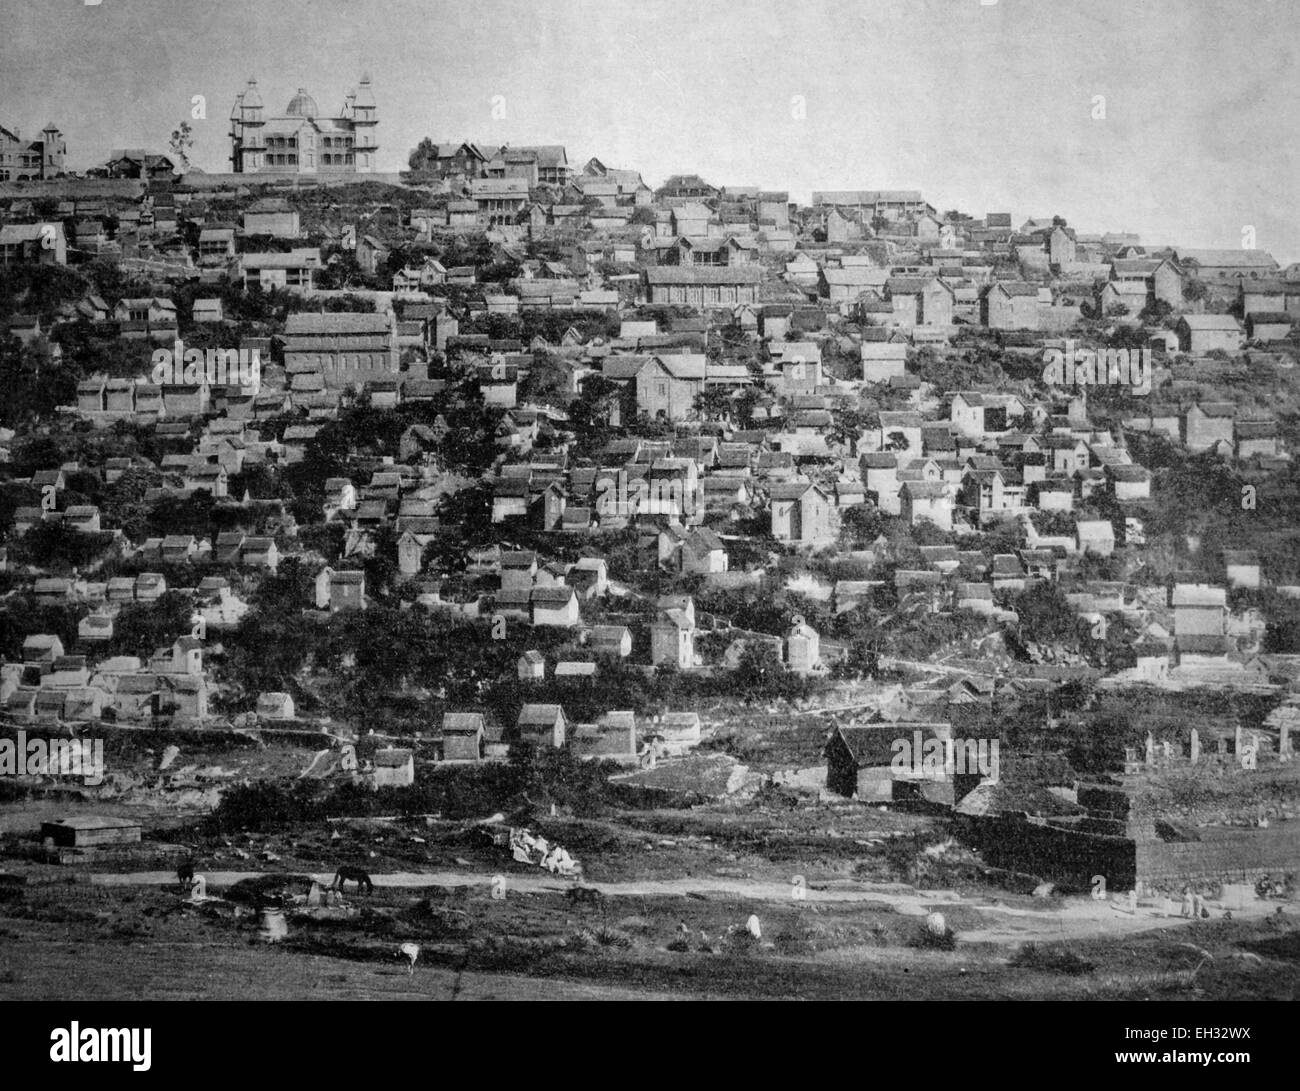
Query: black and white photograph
[[637, 500]]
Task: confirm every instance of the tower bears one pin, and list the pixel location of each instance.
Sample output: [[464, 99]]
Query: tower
[[53, 151], [247, 142], [361, 108]]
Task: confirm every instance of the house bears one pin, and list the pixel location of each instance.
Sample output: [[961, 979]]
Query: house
[[883, 360], [42, 649], [1009, 305], [149, 311], [1204, 333], [260, 553], [344, 348], [672, 637], [275, 706], [340, 590], [1065, 454], [979, 415], [976, 598], [703, 285], [613, 738], [531, 666], [272, 216], [1123, 298], [464, 736], [928, 501], [920, 301], [34, 243], [554, 606], [394, 767], [664, 387], [843, 285], [208, 311], [701, 553], [498, 200], [90, 832], [674, 733], [1129, 482], [803, 648], [1257, 438], [370, 254], [589, 576], [1229, 266], [289, 271], [1269, 325], [1200, 611], [610, 640], [149, 587], [1242, 568], [1007, 573], [1207, 424], [24, 159], [900, 431], [1160, 278], [95, 628], [541, 725], [802, 513], [860, 761], [1095, 536], [518, 570], [216, 244]]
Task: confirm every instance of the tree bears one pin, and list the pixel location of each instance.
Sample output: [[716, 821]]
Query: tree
[[860, 525], [424, 153], [1046, 617], [1156, 311], [847, 425], [180, 143], [590, 412], [713, 403]]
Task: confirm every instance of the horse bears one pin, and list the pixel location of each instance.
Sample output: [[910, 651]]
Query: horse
[[185, 873], [348, 874]]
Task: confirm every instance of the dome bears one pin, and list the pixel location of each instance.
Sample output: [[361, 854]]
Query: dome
[[301, 105]]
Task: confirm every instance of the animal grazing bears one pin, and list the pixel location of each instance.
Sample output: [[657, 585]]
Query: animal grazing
[[584, 895], [348, 874], [412, 952]]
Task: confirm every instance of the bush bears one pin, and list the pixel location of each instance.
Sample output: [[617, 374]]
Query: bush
[[935, 941], [1033, 957]]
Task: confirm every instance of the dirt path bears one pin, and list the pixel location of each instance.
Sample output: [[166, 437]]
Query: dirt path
[[1075, 918]]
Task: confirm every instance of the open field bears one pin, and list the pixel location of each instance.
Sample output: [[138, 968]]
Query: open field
[[676, 887]]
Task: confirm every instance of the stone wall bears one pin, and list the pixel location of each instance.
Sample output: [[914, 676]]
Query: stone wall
[[1221, 856]]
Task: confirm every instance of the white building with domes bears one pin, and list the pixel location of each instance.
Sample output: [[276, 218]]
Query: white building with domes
[[300, 140]]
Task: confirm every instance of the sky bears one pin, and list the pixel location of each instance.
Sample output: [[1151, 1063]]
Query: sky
[[1174, 119]]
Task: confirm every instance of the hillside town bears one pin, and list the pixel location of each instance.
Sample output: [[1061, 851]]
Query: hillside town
[[524, 480]]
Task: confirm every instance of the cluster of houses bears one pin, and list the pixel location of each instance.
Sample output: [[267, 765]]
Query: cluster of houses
[[620, 737], [51, 687], [763, 360]]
